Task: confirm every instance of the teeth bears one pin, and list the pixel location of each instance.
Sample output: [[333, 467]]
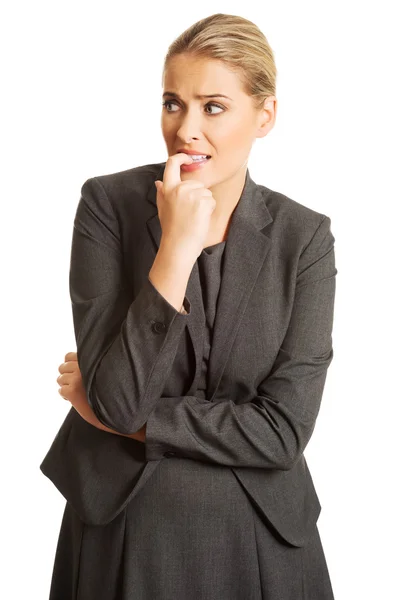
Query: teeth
[[198, 157]]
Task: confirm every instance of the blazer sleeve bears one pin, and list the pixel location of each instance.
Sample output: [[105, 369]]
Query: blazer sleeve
[[125, 348], [272, 430]]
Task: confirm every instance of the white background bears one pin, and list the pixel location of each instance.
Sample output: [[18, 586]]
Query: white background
[[81, 97]]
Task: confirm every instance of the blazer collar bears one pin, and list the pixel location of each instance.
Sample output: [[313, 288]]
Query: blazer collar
[[245, 252]]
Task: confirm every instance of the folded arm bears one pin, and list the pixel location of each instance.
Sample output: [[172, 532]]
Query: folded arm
[[273, 429]]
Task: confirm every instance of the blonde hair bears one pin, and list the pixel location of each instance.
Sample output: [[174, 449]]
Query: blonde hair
[[238, 43]]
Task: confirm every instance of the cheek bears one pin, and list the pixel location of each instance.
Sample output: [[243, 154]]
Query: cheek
[[233, 135], [235, 145], [165, 129], [167, 125]]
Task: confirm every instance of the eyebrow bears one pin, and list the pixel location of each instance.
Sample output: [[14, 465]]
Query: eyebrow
[[199, 97]]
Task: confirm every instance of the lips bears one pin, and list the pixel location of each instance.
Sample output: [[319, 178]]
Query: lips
[[193, 153], [194, 165]]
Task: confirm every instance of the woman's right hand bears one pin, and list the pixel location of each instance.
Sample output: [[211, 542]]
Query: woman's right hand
[[184, 208]]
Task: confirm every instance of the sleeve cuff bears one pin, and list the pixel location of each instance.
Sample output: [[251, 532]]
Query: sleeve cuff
[[166, 436], [186, 306]]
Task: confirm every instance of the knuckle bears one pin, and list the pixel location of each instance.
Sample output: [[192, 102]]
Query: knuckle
[[74, 380]]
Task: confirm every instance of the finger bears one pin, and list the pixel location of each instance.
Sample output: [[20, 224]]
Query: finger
[[71, 356], [60, 391], [69, 367], [172, 171]]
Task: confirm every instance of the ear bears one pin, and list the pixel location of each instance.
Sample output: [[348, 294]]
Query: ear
[[267, 116]]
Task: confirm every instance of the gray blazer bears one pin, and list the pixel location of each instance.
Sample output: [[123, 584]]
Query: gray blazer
[[140, 358]]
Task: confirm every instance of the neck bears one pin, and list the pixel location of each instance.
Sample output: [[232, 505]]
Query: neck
[[227, 194]]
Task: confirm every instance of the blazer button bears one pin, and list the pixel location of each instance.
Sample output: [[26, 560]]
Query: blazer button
[[169, 454], [158, 327]]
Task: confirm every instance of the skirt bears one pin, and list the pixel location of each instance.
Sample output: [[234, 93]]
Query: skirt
[[173, 543]]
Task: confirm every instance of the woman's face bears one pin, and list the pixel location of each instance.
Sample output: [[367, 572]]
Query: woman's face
[[224, 128]]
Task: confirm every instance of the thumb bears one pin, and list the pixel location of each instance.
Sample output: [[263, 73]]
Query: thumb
[[158, 185]]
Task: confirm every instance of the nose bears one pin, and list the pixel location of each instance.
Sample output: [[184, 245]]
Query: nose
[[189, 128]]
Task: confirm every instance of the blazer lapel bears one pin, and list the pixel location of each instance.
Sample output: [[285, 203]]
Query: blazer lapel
[[245, 251]]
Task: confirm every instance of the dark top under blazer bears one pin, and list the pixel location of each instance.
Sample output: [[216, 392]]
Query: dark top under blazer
[[272, 346]]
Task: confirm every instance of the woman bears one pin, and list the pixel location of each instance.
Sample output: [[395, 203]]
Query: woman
[[203, 314]]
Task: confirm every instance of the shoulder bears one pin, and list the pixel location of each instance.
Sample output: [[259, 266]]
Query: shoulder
[[130, 179], [293, 222], [119, 187]]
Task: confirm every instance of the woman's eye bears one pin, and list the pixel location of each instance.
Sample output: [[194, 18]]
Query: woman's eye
[[216, 106], [166, 103]]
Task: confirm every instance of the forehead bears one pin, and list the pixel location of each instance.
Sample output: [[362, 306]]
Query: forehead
[[188, 75]]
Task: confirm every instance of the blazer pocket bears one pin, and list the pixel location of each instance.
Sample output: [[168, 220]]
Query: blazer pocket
[[287, 500], [97, 472]]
